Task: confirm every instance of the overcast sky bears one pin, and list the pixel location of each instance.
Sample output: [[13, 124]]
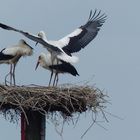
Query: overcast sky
[[112, 59]]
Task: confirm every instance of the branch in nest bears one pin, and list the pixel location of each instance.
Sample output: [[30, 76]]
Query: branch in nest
[[67, 100]]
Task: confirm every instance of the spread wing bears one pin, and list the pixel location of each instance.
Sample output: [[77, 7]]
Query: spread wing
[[32, 37], [82, 36]]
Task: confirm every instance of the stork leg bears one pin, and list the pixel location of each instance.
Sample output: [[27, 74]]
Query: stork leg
[[11, 67], [57, 80], [13, 73], [51, 77], [11, 76], [56, 77], [52, 59], [54, 80], [6, 79]]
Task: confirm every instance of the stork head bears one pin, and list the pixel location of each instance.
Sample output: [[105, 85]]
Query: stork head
[[41, 60], [42, 35]]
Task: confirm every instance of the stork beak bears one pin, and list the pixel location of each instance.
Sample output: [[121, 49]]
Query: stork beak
[[28, 45], [37, 65], [36, 43]]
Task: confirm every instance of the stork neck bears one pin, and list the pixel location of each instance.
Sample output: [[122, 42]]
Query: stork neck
[[44, 38]]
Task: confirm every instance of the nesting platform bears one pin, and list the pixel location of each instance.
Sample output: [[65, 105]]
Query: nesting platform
[[66, 99], [32, 103]]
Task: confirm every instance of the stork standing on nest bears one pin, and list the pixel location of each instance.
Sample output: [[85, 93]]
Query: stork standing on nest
[[56, 67], [80, 37], [62, 49], [11, 55]]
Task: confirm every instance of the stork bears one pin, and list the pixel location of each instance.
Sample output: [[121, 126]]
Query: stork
[[11, 55], [62, 49], [56, 67]]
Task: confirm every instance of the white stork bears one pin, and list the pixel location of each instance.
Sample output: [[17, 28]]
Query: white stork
[[55, 67], [73, 42], [11, 55]]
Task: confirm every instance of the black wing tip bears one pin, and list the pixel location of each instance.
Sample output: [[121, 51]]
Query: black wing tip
[[77, 74], [66, 67], [4, 26], [74, 72], [2, 50], [5, 56], [97, 16]]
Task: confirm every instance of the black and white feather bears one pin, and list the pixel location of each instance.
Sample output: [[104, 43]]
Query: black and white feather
[[11, 55], [82, 36], [55, 67], [5, 57], [73, 42], [55, 50]]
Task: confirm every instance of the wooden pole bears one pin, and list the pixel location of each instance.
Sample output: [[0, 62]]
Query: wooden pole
[[23, 126], [35, 130]]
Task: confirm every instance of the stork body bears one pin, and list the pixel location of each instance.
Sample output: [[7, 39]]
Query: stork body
[[58, 66], [62, 49], [11, 55]]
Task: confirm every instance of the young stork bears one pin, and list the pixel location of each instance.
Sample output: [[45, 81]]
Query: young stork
[[62, 49], [11, 55], [55, 67]]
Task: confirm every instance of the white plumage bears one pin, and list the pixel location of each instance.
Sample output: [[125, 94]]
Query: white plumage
[[11, 55], [73, 42], [57, 66], [56, 54], [65, 40], [61, 50]]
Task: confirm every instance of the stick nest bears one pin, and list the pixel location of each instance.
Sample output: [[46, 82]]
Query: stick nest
[[65, 99]]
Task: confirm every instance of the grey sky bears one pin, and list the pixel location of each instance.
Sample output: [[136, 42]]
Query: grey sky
[[112, 59]]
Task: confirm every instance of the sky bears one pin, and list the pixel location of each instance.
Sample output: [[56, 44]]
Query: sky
[[110, 61]]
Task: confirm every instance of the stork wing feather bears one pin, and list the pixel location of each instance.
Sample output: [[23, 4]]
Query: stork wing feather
[[32, 37], [5, 56], [82, 36], [65, 67]]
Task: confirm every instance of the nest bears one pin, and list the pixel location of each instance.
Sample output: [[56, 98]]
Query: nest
[[66, 99]]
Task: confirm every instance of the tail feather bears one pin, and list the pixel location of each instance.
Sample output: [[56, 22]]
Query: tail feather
[[65, 68], [5, 57]]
